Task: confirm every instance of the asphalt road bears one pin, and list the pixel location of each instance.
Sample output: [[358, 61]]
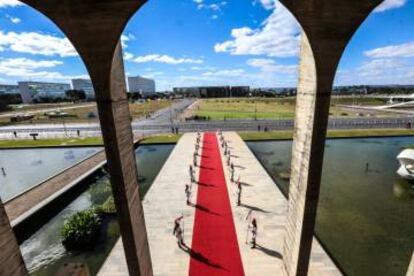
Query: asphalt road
[[162, 124]]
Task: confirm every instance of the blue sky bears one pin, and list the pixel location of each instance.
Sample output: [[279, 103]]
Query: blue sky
[[210, 42]]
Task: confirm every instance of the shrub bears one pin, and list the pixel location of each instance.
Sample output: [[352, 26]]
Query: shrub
[[81, 230]]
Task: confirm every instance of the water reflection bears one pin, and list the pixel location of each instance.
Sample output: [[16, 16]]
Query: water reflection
[[43, 251], [24, 168], [365, 216]]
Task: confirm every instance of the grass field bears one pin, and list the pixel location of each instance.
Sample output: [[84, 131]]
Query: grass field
[[90, 113], [268, 108], [51, 142], [247, 136]]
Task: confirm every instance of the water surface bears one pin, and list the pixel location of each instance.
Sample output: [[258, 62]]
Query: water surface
[[43, 251], [365, 217], [25, 168]]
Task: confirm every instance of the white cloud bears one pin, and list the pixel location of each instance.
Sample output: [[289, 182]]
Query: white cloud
[[278, 36], [15, 20], [125, 38], [215, 7], [270, 66], [29, 69], [225, 73], [267, 4], [401, 50], [128, 56], [37, 44], [166, 59], [377, 72], [390, 4], [10, 3], [379, 67]]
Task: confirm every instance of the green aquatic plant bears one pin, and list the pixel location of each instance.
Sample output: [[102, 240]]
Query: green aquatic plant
[[107, 208], [81, 230]]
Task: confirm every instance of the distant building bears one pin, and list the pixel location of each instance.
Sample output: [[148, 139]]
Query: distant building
[[85, 85], [32, 91], [213, 91], [143, 86], [9, 89]]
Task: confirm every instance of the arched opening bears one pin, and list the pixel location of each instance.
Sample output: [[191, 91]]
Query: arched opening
[[365, 214], [55, 120]]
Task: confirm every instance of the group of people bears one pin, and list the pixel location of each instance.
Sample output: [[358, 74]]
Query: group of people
[[178, 230], [252, 222]]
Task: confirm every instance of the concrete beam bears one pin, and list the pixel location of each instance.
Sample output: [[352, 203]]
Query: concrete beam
[[11, 260], [94, 27], [328, 26]]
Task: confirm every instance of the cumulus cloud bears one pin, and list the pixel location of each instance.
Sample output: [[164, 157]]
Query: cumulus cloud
[[402, 50], [36, 44], [390, 4], [166, 59], [270, 66], [225, 73], [278, 36], [28, 68], [9, 3]]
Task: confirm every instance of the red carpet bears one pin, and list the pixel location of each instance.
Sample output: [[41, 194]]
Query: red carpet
[[215, 250]]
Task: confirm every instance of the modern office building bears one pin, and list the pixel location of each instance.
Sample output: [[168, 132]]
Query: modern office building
[[9, 89], [32, 91], [144, 86], [84, 85], [213, 91]]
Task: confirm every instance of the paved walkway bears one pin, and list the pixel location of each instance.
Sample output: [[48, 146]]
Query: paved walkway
[[269, 207], [166, 200], [32, 200]]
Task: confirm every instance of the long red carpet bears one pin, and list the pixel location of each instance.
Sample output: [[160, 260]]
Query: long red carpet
[[215, 250]]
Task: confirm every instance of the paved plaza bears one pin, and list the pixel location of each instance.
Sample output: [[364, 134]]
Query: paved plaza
[[260, 199]]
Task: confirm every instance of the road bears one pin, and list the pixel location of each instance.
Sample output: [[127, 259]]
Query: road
[[159, 125]]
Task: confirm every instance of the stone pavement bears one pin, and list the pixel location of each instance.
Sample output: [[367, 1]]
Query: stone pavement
[[166, 200], [268, 205]]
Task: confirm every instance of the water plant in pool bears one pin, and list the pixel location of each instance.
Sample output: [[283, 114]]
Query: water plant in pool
[[81, 230]]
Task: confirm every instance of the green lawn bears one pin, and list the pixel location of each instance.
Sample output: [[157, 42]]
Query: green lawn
[[353, 133], [89, 113], [270, 108], [171, 139], [161, 139], [51, 142]]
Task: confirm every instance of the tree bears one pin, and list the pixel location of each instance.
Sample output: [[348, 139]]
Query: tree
[[76, 95]]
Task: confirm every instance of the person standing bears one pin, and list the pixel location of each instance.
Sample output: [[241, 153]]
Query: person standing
[[191, 171], [232, 173], [239, 193], [188, 193], [178, 232], [3, 171], [254, 232], [195, 159]]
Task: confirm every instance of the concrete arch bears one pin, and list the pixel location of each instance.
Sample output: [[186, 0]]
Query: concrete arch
[[329, 25], [95, 26]]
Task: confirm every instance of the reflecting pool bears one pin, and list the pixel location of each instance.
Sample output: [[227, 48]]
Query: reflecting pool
[[366, 212], [25, 168], [43, 251]]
